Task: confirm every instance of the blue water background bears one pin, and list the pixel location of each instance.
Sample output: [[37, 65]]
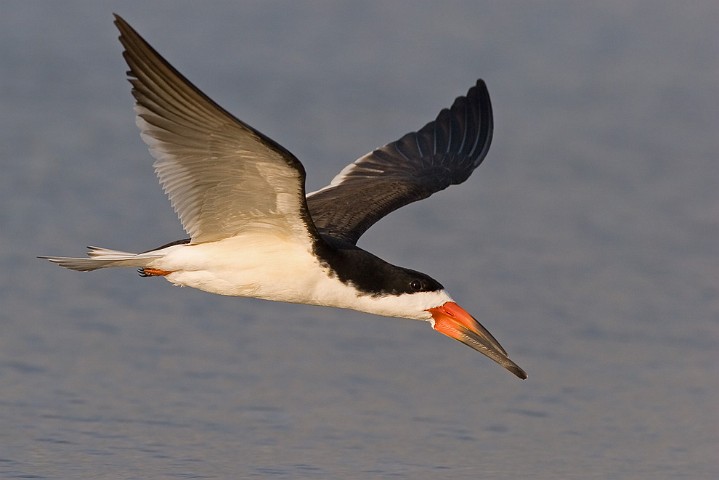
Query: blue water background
[[588, 243]]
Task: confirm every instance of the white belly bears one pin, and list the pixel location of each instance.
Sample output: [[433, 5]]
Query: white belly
[[249, 266]]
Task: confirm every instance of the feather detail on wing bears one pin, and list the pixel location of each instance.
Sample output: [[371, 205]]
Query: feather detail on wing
[[222, 176], [442, 153]]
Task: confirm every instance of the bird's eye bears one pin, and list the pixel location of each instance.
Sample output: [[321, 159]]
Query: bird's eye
[[415, 285]]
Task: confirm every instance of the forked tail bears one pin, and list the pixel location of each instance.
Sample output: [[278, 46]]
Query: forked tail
[[105, 258]]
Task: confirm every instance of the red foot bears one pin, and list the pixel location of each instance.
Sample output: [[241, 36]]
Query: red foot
[[153, 272]]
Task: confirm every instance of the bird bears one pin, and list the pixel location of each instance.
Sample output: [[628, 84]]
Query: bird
[[253, 230]]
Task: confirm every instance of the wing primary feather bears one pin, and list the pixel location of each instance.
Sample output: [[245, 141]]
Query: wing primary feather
[[414, 167], [419, 147], [222, 176], [465, 121]]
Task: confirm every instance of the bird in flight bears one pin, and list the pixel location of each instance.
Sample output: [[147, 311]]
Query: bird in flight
[[255, 233]]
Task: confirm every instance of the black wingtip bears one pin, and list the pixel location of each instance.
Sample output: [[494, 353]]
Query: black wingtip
[[518, 372], [119, 21]]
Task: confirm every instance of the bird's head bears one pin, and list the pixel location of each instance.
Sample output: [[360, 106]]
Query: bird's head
[[428, 300], [371, 285]]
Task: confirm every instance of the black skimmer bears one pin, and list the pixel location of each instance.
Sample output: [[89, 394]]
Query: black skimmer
[[254, 233]]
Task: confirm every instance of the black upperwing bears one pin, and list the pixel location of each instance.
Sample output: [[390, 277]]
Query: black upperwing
[[442, 153]]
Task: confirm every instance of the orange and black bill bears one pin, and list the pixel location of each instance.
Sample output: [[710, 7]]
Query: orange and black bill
[[453, 321]]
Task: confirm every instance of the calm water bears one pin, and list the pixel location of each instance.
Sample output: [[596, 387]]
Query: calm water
[[586, 242]]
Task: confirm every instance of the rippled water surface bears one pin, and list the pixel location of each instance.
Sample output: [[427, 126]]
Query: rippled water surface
[[586, 242]]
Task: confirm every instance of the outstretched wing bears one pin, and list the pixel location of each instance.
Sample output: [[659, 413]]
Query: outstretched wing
[[221, 175], [442, 153]]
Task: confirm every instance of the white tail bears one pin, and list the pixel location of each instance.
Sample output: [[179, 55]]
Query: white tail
[[104, 258]]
